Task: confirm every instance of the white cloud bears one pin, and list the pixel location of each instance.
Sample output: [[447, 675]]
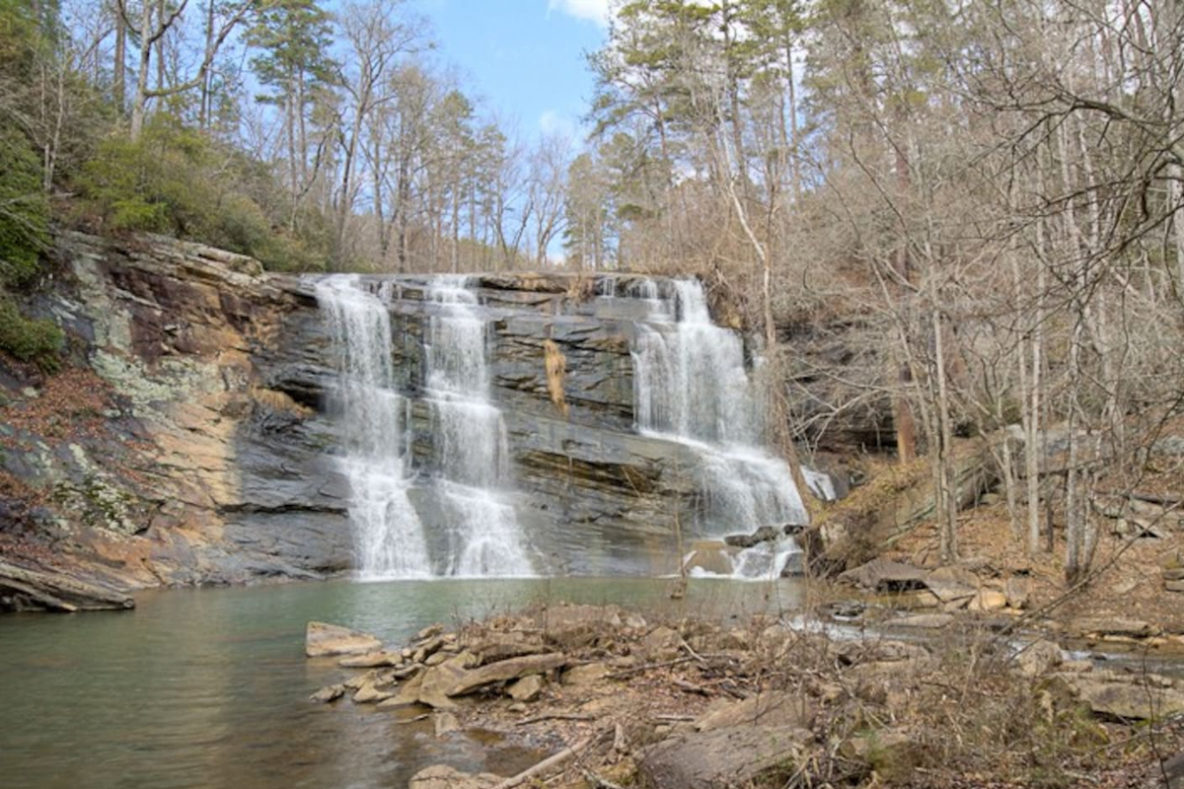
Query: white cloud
[[592, 10]]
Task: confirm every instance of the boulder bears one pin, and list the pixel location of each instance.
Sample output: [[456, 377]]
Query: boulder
[[1018, 591], [729, 756], [763, 534], [407, 694], [1038, 658], [322, 639], [369, 694], [1132, 698], [525, 689], [500, 646], [587, 674], [987, 600], [437, 681], [662, 643], [1173, 586], [503, 671], [327, 694]]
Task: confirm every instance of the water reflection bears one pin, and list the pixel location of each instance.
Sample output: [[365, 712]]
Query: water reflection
[[208, 687]]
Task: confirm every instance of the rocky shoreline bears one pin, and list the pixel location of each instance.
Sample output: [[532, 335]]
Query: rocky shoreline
[[622, 698]]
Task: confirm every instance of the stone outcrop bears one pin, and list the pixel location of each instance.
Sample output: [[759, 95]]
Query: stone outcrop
[[192, 439], [163, 455]]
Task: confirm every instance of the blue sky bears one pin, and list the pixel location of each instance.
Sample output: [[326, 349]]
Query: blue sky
[[524, 58]]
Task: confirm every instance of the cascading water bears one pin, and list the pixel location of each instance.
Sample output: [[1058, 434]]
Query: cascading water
[[388, 536], [471, 456], [691, 386]]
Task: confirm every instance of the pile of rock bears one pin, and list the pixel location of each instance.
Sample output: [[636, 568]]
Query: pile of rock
[[697, 704], [950, 589]]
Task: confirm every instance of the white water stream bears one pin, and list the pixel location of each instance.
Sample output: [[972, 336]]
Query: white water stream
[[388, 535], [471, 455], [691, 386]]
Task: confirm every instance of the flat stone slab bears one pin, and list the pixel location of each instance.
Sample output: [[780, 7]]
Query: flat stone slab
[[1114, 626], [729, 756], [322, 639]]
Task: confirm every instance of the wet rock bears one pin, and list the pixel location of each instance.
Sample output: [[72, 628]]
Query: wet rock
[[322, 639], [377, 659], [763, 534], [327, 694], [371, 691], [730, 756], [525, 689], [444, 777]]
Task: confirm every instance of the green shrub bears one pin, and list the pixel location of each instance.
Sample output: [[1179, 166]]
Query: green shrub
[[179, 181], [24, 210], [29, 339]]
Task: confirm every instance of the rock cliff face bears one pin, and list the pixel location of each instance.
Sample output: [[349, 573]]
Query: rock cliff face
[[189, 441]]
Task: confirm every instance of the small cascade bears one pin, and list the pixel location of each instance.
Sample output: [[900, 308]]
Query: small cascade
[[387, 533], [469, 439], [691, 386]]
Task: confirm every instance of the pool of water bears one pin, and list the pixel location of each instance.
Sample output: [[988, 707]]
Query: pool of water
[[209, 687]]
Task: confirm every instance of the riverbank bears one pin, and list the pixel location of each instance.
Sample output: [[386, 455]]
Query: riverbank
[[616, 698]]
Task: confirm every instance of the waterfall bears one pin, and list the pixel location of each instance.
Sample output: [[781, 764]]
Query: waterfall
[[469, 436], [691, 386], [387, 533]]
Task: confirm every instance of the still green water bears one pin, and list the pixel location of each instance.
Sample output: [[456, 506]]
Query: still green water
[[209, 687]]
